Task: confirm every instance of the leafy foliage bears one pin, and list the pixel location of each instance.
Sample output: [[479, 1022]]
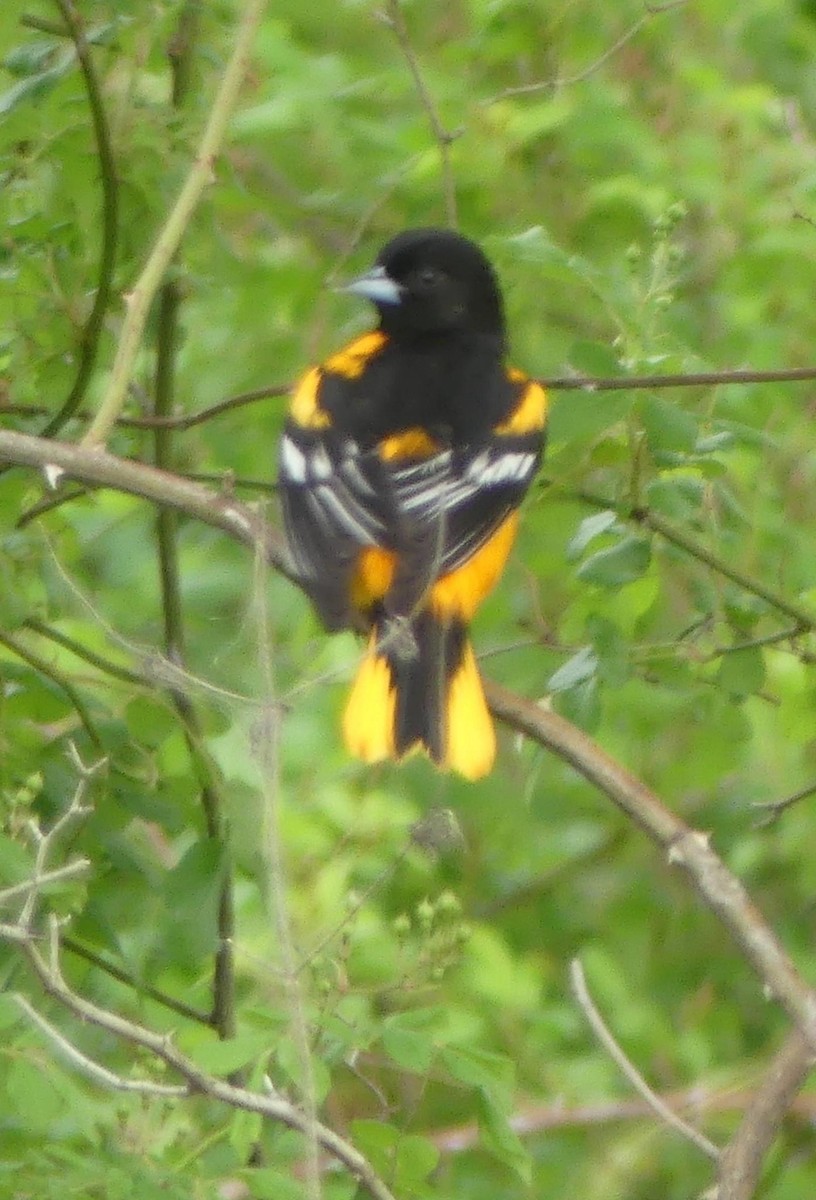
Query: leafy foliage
[[650, 209]]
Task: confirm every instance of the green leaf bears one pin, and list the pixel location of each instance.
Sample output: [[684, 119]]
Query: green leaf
[[679, 496], [35, 87], [407, 1043], [742, 672], [617, 565], [222, 1058], [267, 1183], [406, 1160], [287, 1054], [668, 428], [480, 1068], [10, 1013], [589, 529], [16, 864], [31, 1095], [582, 666], [595, 359], [585, 415], [500, 1138], [581, 704]]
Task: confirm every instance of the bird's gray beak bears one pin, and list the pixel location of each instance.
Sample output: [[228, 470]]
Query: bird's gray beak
[[376, 285]]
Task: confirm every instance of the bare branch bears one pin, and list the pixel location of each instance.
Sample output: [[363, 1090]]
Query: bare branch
[[70, 871], [741, 1160], [92, 331], [604, 1035], [772, 810], [95, 1072], [46, 841], [527, 89], [273, 1107], [143, 989], [720, 890], [394, 19], [97, 467], [200, 175]]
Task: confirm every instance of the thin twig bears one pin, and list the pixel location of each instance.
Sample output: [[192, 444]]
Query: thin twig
[[528, 89], [741, 1160], [143, 989], [270, 1105], [719, 888], [180, 52], [45, 668], [773, 809], [532, 1120], [78, 867], [93, 1070], [604, 1035], [394, 19], [623, 383], [92, 330], [114, 670], [804, 618], [268, 737], [141, 296], [554, 383]]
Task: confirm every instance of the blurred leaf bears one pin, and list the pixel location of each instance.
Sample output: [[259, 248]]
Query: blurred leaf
[[589, 529], [742, 671], [406, 1160], [619, 564], [581, 667]]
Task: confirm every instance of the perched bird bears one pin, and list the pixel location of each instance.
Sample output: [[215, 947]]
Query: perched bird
[[403, 462]]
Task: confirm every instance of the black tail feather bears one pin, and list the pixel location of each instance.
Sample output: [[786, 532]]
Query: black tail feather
[[421, 673]]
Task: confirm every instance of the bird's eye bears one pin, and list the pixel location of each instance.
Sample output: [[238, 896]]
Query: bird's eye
[[427, 277]]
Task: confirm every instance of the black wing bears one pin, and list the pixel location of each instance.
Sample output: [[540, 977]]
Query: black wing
[[434, 512]]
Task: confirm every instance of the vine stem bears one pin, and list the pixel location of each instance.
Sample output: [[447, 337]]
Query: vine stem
[[139, 300]]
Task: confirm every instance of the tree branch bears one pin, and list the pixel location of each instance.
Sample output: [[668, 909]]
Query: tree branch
[[599, 1027], [140, 298], [180, 52], [101, 469], [197, 1081], [92, 330], [741, 1160], [395, 20], [719, 889]]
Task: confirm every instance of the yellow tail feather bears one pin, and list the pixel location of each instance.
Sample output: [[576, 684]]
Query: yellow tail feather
[[368, 722], [470, 740]]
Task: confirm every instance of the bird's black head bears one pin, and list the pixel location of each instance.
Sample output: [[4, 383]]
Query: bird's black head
[[433, 281]]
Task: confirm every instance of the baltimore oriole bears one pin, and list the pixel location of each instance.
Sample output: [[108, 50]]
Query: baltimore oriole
[[403, 462]]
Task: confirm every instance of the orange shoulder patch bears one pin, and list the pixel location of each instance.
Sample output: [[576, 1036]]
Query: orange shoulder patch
[[411, 443], [352, 360], [304, 406], [530, 414]]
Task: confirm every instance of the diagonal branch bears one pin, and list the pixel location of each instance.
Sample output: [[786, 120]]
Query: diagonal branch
[[198, 1081], [717, 887], [92, 330], [393, 17], [141, 297], [627, 1067], [741, 1160]]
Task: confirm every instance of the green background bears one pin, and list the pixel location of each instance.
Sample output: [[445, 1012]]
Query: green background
[[650, 208]]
